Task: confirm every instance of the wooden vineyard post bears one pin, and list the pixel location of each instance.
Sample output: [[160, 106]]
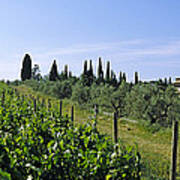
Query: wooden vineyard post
[[60, 108], [115, 128], [174, 150], [72, 114]]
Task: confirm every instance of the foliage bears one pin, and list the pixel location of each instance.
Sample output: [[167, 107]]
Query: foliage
[[65, 71], [124, 76], [87, 78], [16, 82], [120, 78], [62, 89], [59, 89], [26, 68], [4, 175], [53, 75], [100, 72], [156, 101], [36, 72], [136, 78], [43, 145], [113, 80], [108, 72], [153, 103], [85, 67], [32, 83], [109, 97], [81, 94]]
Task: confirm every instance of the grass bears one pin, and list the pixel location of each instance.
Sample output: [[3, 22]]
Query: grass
[[155, 148]]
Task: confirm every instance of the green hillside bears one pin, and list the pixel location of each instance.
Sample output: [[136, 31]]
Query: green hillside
[[38, 142], [154, 146]]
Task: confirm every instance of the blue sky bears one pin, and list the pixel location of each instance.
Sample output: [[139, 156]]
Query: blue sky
[[141, 35]]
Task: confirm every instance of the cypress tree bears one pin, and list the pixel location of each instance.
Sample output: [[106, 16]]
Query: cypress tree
[[120, 77], [108, 72], [112, 74], [100, 72], [90, 68], [53, 75], [170, 81], [66, 71], [85, 78], [26, 71], [160, 81], [165, 82], [85, 67], [70, 74], [113, 81], [136, 80], [124, 77], [90, 76]]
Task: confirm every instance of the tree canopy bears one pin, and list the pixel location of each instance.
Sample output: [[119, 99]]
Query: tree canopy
[[26, 71], [53, 75]]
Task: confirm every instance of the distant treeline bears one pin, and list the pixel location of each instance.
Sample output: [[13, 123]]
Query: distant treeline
[[155, 102], [88, 75]]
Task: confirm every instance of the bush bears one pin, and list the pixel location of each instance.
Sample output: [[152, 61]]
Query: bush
[[81, 94], [62, 89], [153, 103], [33, 84], [15, 82]]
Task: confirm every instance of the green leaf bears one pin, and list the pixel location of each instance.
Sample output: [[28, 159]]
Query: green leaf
[[108, 177], [61, 144], [50, 143]]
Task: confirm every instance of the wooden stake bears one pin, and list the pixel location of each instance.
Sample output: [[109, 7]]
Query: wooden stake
[[115, 128], [72, 113], [174, 150], [60, 108]]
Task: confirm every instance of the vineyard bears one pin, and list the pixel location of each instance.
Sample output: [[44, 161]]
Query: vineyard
[[90, 90], [37, 142]]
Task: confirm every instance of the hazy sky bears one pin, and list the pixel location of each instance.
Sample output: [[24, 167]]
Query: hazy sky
[[136, 35]]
